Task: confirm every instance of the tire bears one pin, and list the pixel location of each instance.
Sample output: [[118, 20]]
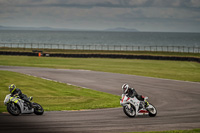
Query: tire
[[152, 111], [13, 109], [38, 110], [129, 112]]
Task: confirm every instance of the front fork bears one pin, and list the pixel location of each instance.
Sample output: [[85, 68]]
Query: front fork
[[129, 106]]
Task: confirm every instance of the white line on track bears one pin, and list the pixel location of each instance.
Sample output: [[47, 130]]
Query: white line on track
[[56, 81]]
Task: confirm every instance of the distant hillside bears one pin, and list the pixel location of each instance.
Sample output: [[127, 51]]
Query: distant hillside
[[122, 29], [119, 29], [31, 28]]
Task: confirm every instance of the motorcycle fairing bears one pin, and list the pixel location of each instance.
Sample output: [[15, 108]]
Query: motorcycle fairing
[[135, 102], [24, 109]]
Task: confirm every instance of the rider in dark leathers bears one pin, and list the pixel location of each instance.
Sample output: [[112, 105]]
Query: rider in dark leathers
[[15, 91]]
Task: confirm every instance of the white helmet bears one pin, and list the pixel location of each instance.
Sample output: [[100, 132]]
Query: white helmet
[[125, 88]]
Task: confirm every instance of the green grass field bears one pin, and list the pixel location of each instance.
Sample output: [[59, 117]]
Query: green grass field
[[178, 70], [53, 95]]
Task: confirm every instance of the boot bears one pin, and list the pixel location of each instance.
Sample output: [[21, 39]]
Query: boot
[[30, 98], [146, 104]]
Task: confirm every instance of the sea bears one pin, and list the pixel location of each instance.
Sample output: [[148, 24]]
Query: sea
[[103, 39]]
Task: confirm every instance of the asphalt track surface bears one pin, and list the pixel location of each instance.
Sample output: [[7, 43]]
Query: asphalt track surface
[[177, 102]]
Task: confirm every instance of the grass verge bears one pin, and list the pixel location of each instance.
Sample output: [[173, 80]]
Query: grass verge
[[53, 95], [178, 70]]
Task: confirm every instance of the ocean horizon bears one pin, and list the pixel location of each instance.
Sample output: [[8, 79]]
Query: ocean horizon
[[101, 38]]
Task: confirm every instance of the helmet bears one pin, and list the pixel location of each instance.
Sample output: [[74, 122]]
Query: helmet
[[125, 88], [12, 88]]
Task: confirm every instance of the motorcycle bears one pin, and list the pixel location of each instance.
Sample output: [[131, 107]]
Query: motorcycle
[[133, 107], [17, 106]]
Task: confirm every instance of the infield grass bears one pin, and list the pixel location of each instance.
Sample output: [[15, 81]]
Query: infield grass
[[178, 70], [53, 95]]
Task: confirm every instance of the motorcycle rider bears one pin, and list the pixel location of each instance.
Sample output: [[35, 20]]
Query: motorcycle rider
[[14, 91], [131, 92]]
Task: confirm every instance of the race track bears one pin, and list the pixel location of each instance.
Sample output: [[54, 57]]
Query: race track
[[177, 102]]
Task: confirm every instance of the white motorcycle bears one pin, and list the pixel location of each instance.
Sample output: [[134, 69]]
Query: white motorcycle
[[133, 107], [17, 106]]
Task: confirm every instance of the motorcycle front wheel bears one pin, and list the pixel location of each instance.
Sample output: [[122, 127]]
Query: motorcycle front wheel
[[13, 109], [38, 110], [129, 110]]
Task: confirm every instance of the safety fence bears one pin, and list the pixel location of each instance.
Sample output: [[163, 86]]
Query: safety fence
[[147, 57], [185, 49]]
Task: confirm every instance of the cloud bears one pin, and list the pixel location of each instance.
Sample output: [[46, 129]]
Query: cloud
[[100, 13], [102, 3]]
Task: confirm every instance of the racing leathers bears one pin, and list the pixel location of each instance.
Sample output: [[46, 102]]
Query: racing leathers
[[22, 96], [132, 92]]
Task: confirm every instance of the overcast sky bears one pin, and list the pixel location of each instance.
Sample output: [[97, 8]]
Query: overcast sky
[[144, 15]]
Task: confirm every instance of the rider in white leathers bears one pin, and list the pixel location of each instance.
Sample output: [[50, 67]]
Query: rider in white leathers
[[131, 92]]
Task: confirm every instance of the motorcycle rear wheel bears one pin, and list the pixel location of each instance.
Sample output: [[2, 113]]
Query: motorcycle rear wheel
[[38, 110], [13, 109], [152, 111], [129, 112]]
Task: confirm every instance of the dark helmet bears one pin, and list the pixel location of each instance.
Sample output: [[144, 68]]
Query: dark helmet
[[12, 88], [125, 88]]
